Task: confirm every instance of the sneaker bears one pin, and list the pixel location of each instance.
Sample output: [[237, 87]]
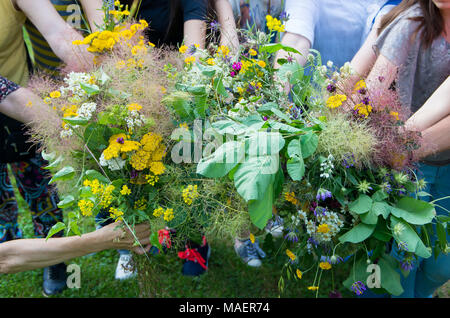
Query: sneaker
[[275, 227], [249, 252], [55, 278], [125, 268], [196, 259]]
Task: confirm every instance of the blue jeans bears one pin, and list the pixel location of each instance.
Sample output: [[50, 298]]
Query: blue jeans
[[427, 274]]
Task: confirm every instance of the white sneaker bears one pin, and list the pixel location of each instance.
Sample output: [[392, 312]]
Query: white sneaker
[[249, 252], [125, 268]]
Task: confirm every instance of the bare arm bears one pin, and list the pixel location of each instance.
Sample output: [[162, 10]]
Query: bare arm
[[94, 13], [57, 32], [435, 108], [195, 33], [26, 254], [23, 105], [298, 42], [438, 136], [229, 36]]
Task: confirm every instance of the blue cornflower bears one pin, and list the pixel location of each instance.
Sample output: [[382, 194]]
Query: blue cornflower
[[358, 288], [214, 25]]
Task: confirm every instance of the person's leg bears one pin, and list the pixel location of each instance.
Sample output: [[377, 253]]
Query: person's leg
[[9, 228], [435, 272], [32, 182]]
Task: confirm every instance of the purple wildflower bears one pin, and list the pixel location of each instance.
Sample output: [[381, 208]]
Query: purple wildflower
[[323, 194], [362, 91], [290, 59], [312, 241], [133, 174], [237, 66], [284, 16], [192, 49], [358, 288], [120, 140], [365, 101], [291, 236], [331, 88], [214, 25], [251, 88], [402, 246], [232, 74], [265, 118], [407, 264], [348, 161]]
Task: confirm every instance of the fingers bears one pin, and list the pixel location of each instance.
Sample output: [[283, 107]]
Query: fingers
[[139, 250]]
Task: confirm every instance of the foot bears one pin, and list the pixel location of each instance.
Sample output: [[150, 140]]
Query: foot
[[249, 252], [125, 268], [55, 278], [197, 257], [275, 227]]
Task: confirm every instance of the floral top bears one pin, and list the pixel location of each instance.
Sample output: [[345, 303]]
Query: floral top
[[6, 88]]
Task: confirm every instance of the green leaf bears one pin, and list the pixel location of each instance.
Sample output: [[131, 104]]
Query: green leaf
[[66, 202], [65, 173], [222, 161], [255, 175], [54, 164], [73, 227], [229, 127], [281, 115], [90, 89], [262, 143], [179, 102], [292, 73], [369, 217], [48, 156], [414, 211], [218, 86], [358, 234], [390, 278], [361, 205], [382, 232], [296, 168], [380, 195], [275, 47], [295, 148], [94, 174], [55, 229], [105, 118], [261, 210], [381, 208], [119, 94], [410, 237], [442, 235], [309, 143], [76, 121], [283, 127]]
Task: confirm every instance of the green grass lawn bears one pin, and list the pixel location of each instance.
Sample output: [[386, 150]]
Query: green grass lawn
[[227, 276]]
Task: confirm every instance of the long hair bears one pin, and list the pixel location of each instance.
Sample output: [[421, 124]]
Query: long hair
[[431, 22]]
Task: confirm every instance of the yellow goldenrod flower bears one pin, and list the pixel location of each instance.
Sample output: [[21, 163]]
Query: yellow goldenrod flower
[[125, 190], [86, 207], [168, 215], [299, 273], [189, 60], [336, 101], [134, 106], [395, 115], [190, 194], [360, 84], [223, 50], [290, 197], [158, 212]]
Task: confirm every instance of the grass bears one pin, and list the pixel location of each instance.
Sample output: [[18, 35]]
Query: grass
[[227, 277]]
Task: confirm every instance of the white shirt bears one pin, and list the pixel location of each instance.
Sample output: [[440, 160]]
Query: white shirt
[[334, 27]]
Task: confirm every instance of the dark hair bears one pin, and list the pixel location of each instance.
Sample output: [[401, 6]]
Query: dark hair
[[431, 22]]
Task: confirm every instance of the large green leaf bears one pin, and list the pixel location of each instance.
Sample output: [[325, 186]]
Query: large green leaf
[[263, 143], [222, 161], [291, 72], [361, 205], [381, 208], [94, 174], [261, 210], [55, 229], [90, 89], [414, 211], [76, 121], [229, 127], [296, 168], [309, 143], [369, 217], [65, 173], [390, 278], [275, 47], [66, 202], [358, 234], [409, 236], [255, 175], [295, 148]]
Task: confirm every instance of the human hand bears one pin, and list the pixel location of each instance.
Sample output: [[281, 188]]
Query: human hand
[[122, 238]]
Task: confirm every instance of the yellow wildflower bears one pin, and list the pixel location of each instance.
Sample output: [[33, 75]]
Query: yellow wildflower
[[158, 212], [168, 215], [115, 214], [190, 194], [183, 49], [290, 197], [313, 288], [223, 50], [323, 228], [299, 273], [252, 238], [395, 115], [86, 207], [262, 64], [336, 101], [210, 61], [55, 94], [291, 255], [360, 84], [125, 190], [189, 60], [325, 265], [252, 52], [120, 64], [134, 106]]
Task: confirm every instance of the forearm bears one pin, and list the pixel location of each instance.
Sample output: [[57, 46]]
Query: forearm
[[436, 138], [26, 254], [435, 108], [23, 105], [195, 33], [94, 13], [298, 42], [229, 36]]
